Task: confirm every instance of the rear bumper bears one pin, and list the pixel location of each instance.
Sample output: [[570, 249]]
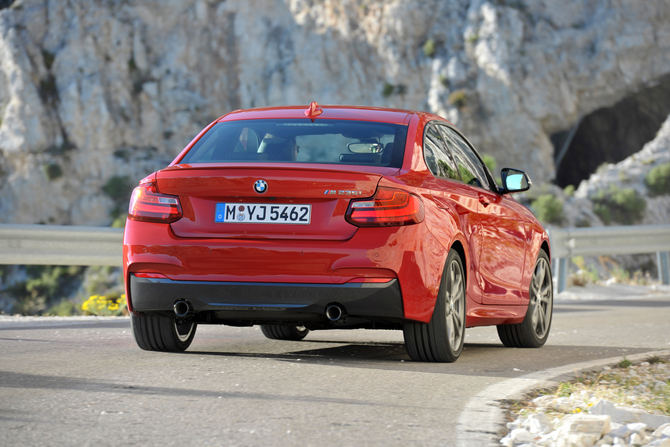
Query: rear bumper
[[268, 301]]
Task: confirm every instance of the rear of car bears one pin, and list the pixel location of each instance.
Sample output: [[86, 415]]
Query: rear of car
[[276, 218], [341, 217]]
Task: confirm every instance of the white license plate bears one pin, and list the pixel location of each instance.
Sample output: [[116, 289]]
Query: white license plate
[[263, 213]]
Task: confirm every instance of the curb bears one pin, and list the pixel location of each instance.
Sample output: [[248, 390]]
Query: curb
[[482, 416]]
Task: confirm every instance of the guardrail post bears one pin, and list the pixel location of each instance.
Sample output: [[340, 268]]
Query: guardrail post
[[561, 274], [663, 267]]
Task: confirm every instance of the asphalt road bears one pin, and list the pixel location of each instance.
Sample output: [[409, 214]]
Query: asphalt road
[[87, 383]]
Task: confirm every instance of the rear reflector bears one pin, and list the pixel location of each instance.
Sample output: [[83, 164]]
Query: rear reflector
[[150, 275], [389, 207], [370, 280], [147, 205]]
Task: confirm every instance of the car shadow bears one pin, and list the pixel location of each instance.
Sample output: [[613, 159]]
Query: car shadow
[[481, 359]]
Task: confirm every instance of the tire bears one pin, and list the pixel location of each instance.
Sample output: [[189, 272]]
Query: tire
[[534, 330], [158, 333], [441, 340], [279, 332]]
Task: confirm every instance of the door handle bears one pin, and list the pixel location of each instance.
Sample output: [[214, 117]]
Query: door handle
[[484, 200]]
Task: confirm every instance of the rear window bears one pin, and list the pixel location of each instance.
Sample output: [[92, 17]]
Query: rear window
[[301, 141]]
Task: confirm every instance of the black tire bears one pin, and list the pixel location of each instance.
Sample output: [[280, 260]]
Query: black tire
[[158, 333], [442, 339], [279, 332], [534, 330]]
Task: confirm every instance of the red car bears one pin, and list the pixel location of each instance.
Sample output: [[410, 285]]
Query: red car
[[335, 217]]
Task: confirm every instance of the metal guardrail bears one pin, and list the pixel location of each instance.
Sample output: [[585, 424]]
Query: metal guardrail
[[598, 241], [71, 245], [60, 245]]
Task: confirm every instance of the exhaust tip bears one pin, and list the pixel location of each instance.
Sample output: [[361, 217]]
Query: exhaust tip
[[334, 312], [182, 308]]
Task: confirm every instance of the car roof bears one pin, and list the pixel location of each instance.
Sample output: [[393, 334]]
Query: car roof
[[377, 114]]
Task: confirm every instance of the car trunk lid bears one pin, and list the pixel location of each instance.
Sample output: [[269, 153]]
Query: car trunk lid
[[207, 191]]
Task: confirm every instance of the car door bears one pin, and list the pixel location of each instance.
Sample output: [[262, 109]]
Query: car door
[[501, 237], [457, 201]]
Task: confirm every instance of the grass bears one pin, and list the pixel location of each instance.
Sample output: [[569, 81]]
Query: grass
[[639, 386]]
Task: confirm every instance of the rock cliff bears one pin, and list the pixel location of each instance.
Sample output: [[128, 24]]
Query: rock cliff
[[96, 94]]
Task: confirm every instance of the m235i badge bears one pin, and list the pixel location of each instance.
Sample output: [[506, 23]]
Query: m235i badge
[[342, 192]]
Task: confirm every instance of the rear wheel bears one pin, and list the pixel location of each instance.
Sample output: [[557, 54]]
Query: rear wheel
[[534, 330], [158, 333], [441, 340], [279, 332]]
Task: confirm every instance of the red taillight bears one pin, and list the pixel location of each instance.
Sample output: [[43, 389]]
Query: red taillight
[[389, 207], [147, 205]]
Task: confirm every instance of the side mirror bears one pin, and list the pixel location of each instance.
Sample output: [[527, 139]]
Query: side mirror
[[514, 180]]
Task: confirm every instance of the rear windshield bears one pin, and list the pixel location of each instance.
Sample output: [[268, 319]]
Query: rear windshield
[[301, 141]]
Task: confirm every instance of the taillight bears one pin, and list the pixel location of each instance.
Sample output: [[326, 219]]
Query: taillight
[[148, 205], [388, 207]]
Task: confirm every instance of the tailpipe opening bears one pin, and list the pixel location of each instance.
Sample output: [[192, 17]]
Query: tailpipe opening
[[335, 312], [182, 308]]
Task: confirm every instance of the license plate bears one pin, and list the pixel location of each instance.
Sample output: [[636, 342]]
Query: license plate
[[263, 213]]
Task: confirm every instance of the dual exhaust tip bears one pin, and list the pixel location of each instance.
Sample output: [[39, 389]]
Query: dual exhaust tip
[[334, 312]]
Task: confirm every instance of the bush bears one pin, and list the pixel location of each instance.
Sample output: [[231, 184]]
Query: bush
[[658, 180], [614, 204], [118, 188], [429, 48], [490, 163], [390, 89], [458, 98], [44, 288], [52, 171], [548, 209]]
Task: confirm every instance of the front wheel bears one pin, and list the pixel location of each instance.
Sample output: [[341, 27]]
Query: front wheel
[[441, 340], [534, 330], [158, 333]]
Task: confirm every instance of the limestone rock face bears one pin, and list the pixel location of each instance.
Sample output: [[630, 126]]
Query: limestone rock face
[[94, 94]]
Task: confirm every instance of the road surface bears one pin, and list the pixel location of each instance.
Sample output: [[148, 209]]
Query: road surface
[[79, 382]]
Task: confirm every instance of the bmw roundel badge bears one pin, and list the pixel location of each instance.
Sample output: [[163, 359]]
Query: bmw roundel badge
[[260, 186]]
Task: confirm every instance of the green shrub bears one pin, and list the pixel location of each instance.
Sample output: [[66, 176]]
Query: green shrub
[[458, 98], [390, 89], [490, 162], [118, 187], [429, 48], [614, 204], [658, 180], [569, 190], [52, 171], [49, 58], [548, 209], [45, 288], [63, 309]]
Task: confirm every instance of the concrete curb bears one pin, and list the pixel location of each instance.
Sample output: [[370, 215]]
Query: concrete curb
[[482, 416]]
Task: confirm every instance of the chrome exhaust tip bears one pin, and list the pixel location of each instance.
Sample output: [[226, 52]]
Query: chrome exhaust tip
[[334, 312], [182, 308]]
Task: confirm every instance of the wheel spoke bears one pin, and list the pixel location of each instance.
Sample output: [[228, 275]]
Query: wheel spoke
[[456, 285]]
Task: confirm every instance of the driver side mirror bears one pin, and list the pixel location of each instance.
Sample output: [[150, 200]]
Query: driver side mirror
[[514, 180]]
